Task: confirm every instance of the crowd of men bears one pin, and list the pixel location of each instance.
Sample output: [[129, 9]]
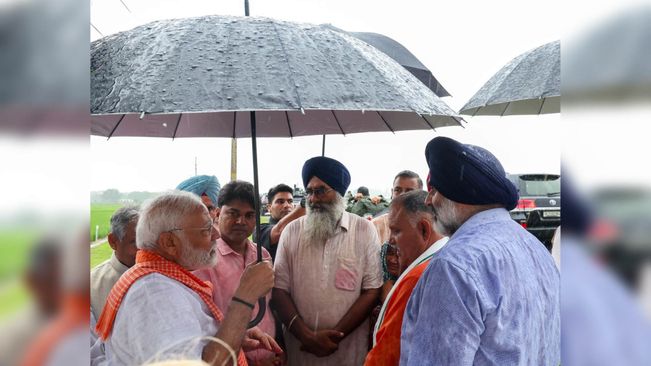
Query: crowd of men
[[445, 277]]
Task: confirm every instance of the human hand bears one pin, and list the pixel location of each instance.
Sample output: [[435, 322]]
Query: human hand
[[256, 281], [376, 200], [255, 338], [322, 343], [358, 196]]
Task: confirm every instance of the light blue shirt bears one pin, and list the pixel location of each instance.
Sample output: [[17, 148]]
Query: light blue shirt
[[491, 296]]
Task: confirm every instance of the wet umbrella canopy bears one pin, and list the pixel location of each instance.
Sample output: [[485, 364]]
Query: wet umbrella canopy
[[529, 84], [200, 77], [219, 76], [402, 55]]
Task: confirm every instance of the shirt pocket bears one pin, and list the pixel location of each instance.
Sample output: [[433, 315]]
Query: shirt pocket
[[346, 275]]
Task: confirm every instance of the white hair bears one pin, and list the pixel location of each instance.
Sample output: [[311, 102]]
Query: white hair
[[162, 214]]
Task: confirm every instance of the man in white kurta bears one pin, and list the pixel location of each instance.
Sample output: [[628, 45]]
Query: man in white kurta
[[324, 290]]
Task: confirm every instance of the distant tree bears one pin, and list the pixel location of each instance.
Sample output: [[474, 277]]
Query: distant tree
[[111, 196]]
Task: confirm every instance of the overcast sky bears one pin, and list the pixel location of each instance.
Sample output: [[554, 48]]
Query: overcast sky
[[462, 42]]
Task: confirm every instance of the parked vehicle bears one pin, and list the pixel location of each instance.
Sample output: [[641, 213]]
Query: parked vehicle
[[539, 207]]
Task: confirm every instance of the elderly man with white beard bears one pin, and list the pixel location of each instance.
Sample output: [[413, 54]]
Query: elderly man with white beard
[[491, 296], [159, 308], [327, 273]]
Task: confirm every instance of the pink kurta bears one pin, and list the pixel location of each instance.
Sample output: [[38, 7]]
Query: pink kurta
[[225, 278], [325, 280]]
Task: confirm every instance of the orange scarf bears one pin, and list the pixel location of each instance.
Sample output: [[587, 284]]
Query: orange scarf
[[148, 262]]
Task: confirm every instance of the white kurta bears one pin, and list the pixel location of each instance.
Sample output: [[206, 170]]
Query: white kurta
[[325, 280], [159, 318]]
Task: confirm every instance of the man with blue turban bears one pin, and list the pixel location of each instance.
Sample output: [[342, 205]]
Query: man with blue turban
[[206, 187], [327, 273], [492, 295]]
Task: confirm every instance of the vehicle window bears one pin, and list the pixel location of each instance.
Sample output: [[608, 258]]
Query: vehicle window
[[539, 185]]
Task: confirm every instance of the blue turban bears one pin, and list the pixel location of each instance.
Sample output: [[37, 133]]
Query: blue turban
[[200, 185], [332, 172], [468, 174]]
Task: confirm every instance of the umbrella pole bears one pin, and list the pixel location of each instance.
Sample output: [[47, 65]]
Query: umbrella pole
[[256, 190], [323, 146]]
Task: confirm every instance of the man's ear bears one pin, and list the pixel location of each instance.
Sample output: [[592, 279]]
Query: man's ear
[[169, 244], [113, 241], [424, 229]]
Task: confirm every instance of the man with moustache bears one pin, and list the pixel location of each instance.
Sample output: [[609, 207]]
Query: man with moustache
[[235, 252], [327, 273], [492, 295], [159, 307], [411, 222]]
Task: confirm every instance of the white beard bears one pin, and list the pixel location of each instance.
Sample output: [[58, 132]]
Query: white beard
[[446, 218], [321, 222], [193, 259]]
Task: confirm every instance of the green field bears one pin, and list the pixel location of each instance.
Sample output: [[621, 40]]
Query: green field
[[100, 214], [15, 245]]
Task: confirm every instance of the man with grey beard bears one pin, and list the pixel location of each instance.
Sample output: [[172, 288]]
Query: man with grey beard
[[492, 295], [327, 273]]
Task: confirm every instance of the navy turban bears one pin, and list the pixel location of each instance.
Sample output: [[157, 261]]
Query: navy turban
[[468, 174], [332, 172], [200, 185]]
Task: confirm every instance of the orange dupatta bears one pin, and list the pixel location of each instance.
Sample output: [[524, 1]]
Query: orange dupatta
[[148, 262]]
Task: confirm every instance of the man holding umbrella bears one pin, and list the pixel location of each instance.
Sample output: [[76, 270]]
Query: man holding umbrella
[[327, 273]]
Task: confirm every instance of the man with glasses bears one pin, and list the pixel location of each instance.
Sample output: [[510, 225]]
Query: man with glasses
[[236, 222], [158, 309], [411, 223], [327, 273]]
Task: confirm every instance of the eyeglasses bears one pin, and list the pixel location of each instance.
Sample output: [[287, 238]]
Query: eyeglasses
[[205, 231], [319, 192]]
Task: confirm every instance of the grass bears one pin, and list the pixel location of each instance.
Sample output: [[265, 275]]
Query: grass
[[13, 297], [99, 254], [100, 215], [14, 250], [15, 245]]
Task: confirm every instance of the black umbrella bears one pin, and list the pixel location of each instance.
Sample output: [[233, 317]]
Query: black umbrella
[[401, 55], [221, 76]]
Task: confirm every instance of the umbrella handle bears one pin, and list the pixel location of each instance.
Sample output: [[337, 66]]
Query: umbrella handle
[[262, 304]]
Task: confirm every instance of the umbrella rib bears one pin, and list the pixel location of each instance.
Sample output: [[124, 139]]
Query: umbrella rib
[[116, 127], [426, 121], [505, 108], [289, 67], [337, 120], [178, 122], [289, 126], [387, 123], [459, 122], [541, 105]]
